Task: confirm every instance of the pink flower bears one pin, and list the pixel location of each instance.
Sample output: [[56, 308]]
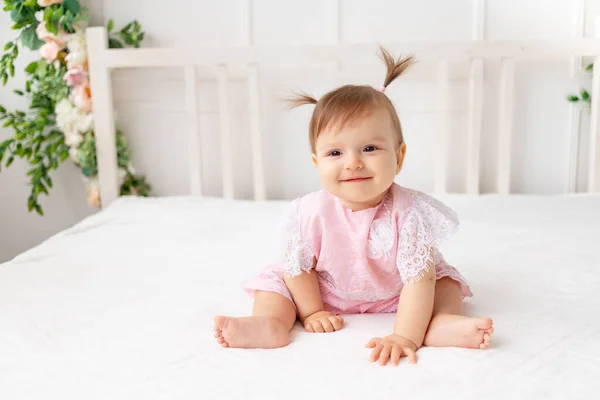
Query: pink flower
[[43, 34], [46, 3], [76, 76], [49, 51], [93, 188], [82, 97]]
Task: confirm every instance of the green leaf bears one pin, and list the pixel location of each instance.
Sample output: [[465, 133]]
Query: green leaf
[[72, 5], [48, 13], [573, 98], [18, 92], [30, 39], [20, 15], [8, 46], [42, 67], [30, 203], [58, 14], [127, 27], [589, 68], [48, 181], [4, 79], [52, 26], [39, 210], [87, 172], [30, 69], [9, 161], [584, 95], [127, 38], [110, 26], [115, 44]]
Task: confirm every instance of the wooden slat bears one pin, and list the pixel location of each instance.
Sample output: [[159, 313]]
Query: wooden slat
[[505, 125], [225, 128], [577, 32], [104, 120], [258, 172], [475, 125], [573, 147], [194, 147], [594, 146], [441, 141], [348, 54]]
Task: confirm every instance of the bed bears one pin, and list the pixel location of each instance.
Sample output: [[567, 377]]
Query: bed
[[120, 306]]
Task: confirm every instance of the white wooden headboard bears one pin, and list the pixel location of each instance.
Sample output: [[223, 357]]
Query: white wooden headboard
[[221, 63]]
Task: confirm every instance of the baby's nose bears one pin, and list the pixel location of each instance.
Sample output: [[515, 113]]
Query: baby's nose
[[353, 162]]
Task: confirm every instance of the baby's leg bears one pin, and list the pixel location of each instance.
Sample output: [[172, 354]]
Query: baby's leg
[[448, 328], [269, 326]]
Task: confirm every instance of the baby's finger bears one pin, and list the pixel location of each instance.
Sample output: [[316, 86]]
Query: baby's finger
[[410, 353], [384, 357], [327, 325], [318, 327], [396, 352], [337, 322], [372, 343], [375, 353]]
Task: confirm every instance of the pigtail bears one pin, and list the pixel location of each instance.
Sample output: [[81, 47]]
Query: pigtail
[[300, 99], [395, 68]]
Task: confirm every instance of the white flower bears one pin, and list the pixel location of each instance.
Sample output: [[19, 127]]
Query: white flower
[[71, 119], [73, 139], [77, 46], [74, 154], [39, 16]]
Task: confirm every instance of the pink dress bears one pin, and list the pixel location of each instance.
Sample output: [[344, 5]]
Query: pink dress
[[363, 257]]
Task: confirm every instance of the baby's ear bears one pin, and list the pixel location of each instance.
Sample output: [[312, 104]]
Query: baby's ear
[[314, 159], [400, 154]]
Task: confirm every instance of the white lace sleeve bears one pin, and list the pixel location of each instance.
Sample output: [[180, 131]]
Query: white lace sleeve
[[427, 223], [297, 255]]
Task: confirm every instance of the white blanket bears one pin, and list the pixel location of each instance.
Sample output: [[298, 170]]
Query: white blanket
[[121, 305]]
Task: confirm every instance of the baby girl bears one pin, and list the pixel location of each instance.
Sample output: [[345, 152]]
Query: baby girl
[[362, 244]]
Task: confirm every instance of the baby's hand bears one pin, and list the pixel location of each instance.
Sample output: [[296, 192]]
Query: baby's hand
[[323, 321], [391, 346]]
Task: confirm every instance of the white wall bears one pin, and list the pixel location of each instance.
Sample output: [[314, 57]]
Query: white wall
[[150, 105]]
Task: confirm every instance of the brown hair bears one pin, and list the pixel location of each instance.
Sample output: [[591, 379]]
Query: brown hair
[[350, 102]]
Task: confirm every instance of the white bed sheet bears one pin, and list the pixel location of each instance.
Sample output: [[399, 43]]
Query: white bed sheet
[[121, 305]]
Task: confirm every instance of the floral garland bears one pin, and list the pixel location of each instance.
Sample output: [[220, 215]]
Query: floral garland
[[59, 124]]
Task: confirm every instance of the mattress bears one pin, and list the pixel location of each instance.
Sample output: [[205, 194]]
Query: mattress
[[120, 306]]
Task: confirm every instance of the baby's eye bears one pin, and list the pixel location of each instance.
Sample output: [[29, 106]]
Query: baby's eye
[[334, 153], [370, 148]]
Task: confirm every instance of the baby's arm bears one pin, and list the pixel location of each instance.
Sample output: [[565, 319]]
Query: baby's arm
[[415, 308], [307, 297]]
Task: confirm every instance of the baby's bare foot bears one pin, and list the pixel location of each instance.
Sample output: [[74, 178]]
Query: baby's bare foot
[[251, 332], [448, 330]]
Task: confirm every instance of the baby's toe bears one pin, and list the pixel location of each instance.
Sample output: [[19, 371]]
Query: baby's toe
[[487, 338], [218, 334]]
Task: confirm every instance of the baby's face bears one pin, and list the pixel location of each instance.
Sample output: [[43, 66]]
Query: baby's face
[[359, 162]]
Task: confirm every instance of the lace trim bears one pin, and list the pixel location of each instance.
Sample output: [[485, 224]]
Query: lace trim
[[381, 234], [427, 224], [297, 256]]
